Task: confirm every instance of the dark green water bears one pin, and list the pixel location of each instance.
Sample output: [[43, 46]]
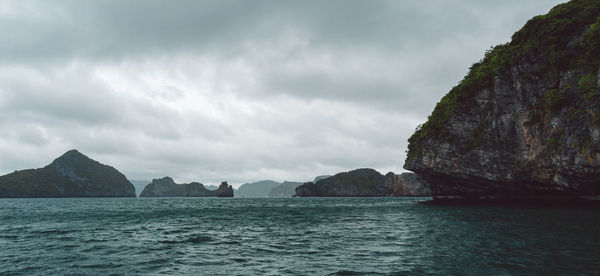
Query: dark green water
[[296, 236]]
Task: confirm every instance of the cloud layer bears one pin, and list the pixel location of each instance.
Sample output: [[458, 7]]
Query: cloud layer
[[234, 90]]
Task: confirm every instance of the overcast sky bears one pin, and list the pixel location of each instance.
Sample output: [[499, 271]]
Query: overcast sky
[[235, 90]]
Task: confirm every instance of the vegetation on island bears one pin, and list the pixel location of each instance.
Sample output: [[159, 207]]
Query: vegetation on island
[[567, 39]]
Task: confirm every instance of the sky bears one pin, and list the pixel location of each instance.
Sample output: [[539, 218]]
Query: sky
[[240, 91]]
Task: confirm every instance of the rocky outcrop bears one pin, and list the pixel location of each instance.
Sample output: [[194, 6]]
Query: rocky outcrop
[[224, 190], [525, 121], [166, 187], [286, 189], [364, 183], [406, 184], [71, 175]]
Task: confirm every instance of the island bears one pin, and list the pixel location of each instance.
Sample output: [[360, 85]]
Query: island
[[166, 187], [365, 183], [70, 175], [524, 124]]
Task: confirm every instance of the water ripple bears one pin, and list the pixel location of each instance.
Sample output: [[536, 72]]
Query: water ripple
[[323, 236]]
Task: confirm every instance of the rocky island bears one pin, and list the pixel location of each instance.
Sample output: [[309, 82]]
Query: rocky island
[[524, 123], [71, 175], [166, 187], [365, 183]]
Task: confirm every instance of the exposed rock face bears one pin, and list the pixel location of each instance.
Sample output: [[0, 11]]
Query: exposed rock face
[[224, 190], [286, 189], [71, 175], [406, 184], [364, 183], [166, 187], [525, 122]]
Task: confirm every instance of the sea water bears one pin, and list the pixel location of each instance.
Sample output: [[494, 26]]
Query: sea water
[[293, 236]]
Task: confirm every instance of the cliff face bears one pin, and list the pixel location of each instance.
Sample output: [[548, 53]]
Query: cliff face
[[166, 187], [224, 190], [406, 184], [364, 183], [525, 121], [71, 175]]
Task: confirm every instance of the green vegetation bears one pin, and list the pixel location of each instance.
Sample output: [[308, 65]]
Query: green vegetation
[[478, 133], [72, 174], [553, 143], [365, 180], [588, 86], [546, 36], [555, 99]]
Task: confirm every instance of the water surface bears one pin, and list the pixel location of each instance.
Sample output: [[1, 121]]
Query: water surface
[[295, 236]]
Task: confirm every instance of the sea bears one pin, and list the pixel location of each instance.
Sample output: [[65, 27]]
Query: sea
[[293, 236]]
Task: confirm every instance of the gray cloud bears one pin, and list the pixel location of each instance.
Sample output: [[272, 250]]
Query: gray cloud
[[237, 90]]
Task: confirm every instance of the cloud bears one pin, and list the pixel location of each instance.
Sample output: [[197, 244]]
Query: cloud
[[234, 90]]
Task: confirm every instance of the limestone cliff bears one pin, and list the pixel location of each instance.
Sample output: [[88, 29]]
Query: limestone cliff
[[166, 187], [224, 190], [365, 183], [525, 122], [405, 184], [71, 175]]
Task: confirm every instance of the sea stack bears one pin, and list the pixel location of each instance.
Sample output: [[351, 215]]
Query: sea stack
[[524, 124], [70, 175], [225, 190]]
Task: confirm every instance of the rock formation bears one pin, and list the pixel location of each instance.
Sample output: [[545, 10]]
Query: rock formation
[[224, 190], [525, 122], [405, 184], [166, 187], [364, 183], [71, 175]]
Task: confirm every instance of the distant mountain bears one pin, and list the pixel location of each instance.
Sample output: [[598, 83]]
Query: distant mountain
[[140, 184], [211, 187], [286, 189], [365, 183], [256, 189], [71, 175], [166, 187]]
